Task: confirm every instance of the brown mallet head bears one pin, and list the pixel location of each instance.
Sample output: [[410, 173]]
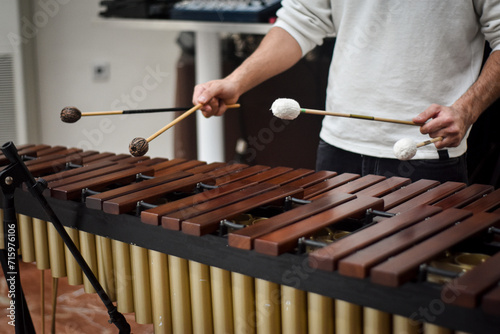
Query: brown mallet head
[[70, 114], [138, 147]]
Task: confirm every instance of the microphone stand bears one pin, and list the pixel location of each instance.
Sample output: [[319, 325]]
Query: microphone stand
[[12, 177]]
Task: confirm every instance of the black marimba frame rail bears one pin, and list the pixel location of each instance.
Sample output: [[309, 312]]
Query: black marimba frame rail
[[419, 301]]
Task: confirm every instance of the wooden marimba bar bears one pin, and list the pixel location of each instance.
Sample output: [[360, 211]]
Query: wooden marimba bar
[[155, 233]]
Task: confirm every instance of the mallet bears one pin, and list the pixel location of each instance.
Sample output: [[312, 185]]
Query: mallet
[[73, 114], [406, 148], [139, 146], [290, 109]]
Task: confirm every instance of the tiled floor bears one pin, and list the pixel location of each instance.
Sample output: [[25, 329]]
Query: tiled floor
[[77, 311]]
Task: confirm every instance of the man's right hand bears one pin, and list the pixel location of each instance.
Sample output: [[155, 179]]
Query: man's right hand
[[277, 52], [215, 95]]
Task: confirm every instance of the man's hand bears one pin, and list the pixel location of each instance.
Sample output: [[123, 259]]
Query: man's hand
[[277, 52], [451, 123], [215, 95]]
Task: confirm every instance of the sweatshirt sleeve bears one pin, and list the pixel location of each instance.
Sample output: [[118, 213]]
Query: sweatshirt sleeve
[[308, 21], [489, 18]]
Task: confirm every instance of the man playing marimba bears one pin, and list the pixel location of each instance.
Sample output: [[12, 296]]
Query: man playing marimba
[[416, 60]]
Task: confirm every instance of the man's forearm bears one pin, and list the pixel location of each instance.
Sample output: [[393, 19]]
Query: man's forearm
[[277, 52], [484, 91]]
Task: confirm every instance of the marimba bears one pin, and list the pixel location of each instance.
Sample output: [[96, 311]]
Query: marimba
[[232, 248]]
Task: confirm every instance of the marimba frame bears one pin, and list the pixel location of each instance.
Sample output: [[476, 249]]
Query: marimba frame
[[286, 269]]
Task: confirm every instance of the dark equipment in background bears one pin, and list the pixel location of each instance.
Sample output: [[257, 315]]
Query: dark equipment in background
[[194, 10], [226, 11], [138, 9]]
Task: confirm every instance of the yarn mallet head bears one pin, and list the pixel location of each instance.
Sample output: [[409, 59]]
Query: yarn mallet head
[[406, 148]]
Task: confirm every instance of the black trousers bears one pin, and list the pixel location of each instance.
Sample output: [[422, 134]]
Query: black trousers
[[341, 161]]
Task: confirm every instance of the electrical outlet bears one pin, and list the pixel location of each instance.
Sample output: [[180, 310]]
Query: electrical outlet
[[101, 71]]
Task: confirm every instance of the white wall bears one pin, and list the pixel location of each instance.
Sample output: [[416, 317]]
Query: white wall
[[13, 104], [70, 40]]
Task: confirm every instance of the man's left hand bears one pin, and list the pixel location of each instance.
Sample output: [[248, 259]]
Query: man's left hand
[[451, 123]]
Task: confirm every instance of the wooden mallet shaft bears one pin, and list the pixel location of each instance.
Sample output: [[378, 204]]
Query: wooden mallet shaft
[[131, 111], [430, 141], [73, 114], [174, 122], [139, 146], [369, 118]]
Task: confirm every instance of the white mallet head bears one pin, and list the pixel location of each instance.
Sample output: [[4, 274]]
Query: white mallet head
[[405, 149], [286, 108]]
